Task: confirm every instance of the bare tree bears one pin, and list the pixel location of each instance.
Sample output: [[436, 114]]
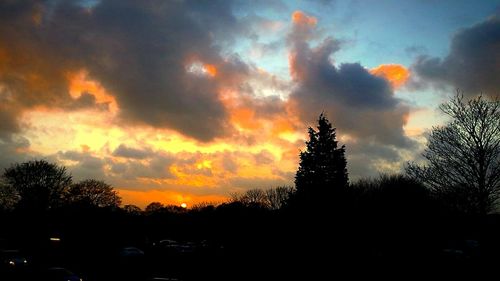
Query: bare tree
[[463, 156], [205, 205], [278, 197], [93, 192], [39, 184], [273, 198], [252, 197], [255, 196]]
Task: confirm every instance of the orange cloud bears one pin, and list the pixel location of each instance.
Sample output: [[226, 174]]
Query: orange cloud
[[244, 118], [396, 74], [79, 83], [299, 18], [296, 72], [210, 69]]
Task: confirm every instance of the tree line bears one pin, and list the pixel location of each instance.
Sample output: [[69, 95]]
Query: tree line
[[462, 169]]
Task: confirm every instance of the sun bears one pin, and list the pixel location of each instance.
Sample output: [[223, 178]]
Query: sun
[[184, 205]]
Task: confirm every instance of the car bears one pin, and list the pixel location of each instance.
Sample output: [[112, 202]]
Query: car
[[131, 252], [13, 259], [176, 247], [60, 274]]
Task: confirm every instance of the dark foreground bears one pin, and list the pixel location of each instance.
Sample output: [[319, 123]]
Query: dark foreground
[[241, 243]]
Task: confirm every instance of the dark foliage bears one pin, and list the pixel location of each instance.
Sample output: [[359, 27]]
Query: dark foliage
[[322, 171], [94, 193], [39, 184]]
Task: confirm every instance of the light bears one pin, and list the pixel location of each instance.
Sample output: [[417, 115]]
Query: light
[[25, 261], [201, 69], [55, 239], [184, 205], [12, 263]]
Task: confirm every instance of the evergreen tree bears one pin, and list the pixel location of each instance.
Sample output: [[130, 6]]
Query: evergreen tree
[[322, 170]]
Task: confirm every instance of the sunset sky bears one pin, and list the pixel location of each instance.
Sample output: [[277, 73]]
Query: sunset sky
[[189, 101]]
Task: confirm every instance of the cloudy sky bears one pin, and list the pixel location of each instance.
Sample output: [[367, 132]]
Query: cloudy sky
[[188, 101]]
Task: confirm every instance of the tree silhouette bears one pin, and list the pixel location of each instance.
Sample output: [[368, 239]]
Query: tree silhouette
[[463, 156], [278, 197], [132, 209], [94, 193], [39, 184], [8, 196], [154, 207], [252, 198], [322, 170], [273, 198]]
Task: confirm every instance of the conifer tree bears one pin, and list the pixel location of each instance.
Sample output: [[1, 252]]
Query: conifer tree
[[322, 169]]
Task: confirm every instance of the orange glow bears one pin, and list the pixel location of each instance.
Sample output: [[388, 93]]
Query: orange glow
[[79, 82], [244, 118], [210, 69], [282, 126], [85, 148], [142, 198], [205, 164], [296, 75], [396, 74], [299, 18]]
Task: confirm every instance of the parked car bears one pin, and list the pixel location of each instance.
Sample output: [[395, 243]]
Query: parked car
[[13, 259], [60, 274], [129, 252], [175, 247]]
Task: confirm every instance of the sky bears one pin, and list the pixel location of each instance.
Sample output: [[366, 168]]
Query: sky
[[191, 101]]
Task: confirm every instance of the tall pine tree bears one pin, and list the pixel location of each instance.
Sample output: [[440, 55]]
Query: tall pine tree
[[322, 170]]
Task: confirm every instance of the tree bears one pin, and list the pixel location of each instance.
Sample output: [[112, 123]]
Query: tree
[[463, 156], [38, 183], [322, 168], [278, 197], [273, 198], [253, 197], [8, 196], [132, 209], [154, 207], [94, 193]]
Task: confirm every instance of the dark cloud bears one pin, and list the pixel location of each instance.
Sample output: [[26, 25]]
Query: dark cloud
[[358, 103], [152, 166], [14, 149], [472, 64], [264, 157], [229, 164], [139, 51], [365, 158], [8, 121], [83, 165], [129, 152], [86, 101]]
